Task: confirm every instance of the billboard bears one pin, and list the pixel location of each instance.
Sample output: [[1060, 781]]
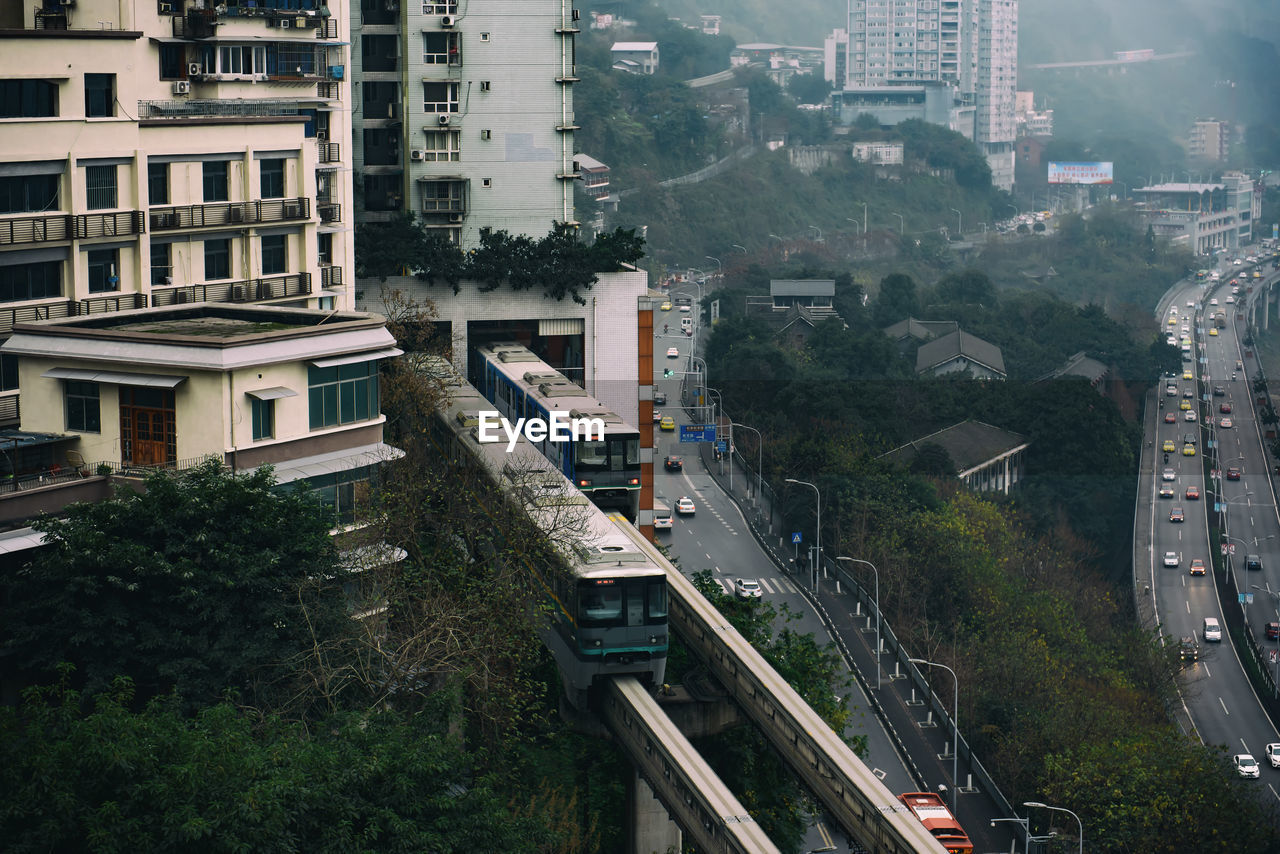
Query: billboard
[[1079, 173]]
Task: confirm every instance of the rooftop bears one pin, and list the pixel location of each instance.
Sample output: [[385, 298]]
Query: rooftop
[[969, 444]]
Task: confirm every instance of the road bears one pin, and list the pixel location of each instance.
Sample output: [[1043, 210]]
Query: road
[[1217, 694]]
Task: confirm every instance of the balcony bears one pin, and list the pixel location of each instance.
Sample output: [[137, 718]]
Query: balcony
[[120, 223], [230, 213], [329, 211], [331, 277], [215, 108], [329, 90], [35, 229], [248, 290], [196, 24], [68, 308], [330, 152]]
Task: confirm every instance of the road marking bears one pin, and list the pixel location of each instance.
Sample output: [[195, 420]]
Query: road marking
[[1273, 791], [1224, 708], [1188, 606], [1206, 671]]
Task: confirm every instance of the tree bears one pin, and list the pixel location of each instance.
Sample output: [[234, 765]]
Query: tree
[[206, 580], [808, 88], [967, 286], [896, 301]]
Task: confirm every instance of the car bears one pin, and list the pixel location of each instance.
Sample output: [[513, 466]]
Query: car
[[1197, 566], [1176, 515], [1189, 415], [1272, 631], [1169, 474], [1171, 559], [685, 309], [1246, 766], [1273, 754], [1188, 393], [684, 506], [1225, 423], [1230, 300], [1237, 262], [1239, 365], [1188, 450], [1224, 408], [1170, 418], [1213, 331], [657, 416], [1168, 447], [666, 306], [1171, 390], [747, 588], [667, 423], [1193, 493], [659, 398], [673, 463], [1213, 301], [1166, 491], [1192, 303], [1173, 321], [1184, 404], [673, 352], [1233, 473], [1188, 649], [661, 516], [1187, 375], [1219, 391], [1189, 438], [1212, 630], [1171, 341]]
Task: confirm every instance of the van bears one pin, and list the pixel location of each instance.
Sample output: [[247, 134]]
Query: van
[[1252, 562], [1212, 631], [686, 325], [661, 516]]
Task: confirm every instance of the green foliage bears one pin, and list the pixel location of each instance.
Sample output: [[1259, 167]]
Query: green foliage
[[808, 88], [943, 148], [108, 778], [192, 585]]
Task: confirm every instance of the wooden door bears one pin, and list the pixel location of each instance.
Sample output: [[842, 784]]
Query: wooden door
[[147, 427]]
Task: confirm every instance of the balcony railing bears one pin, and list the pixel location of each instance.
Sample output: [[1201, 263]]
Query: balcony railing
[[35, 229], [331, 277], [330, 152], [248, 290], [68, 308], [110, 224], [215, 108], [328, 29], [329, 211], [329, 90], [229, 213]]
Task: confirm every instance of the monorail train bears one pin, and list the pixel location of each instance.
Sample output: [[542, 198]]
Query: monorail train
[[520, 385], [938, 820], [608, 598]]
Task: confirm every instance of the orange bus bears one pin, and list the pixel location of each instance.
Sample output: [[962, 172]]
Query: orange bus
[[938, 820]]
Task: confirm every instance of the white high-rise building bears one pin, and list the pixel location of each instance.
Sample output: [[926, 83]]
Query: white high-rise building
[[951, 62]]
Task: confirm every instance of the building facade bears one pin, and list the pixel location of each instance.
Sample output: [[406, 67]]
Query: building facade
[[1209, 140], [463, 114], [159, 153], [1205, 216]]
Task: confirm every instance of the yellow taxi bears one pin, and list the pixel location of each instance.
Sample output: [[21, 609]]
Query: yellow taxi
[[1188, 450], [667, 423], [1173, 320], [1169, 447], [666, 306], [1186, 404], [1213, 330], [1187, 375]]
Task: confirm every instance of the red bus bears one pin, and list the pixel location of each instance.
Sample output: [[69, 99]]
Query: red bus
[[938, 820]]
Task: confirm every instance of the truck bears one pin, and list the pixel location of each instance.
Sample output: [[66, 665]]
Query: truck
[[1220, 319]]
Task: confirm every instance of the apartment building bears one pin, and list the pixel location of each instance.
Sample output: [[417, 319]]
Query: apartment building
[[1204, 216], [161, 152], [950, 62], [1209, 140]]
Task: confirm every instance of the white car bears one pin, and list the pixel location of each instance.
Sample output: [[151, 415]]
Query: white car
[[684, 506], [1273, 755], [1169, 474], [1191, 303], [1212, 630], [1171, 559], [1213, 301], [1190, 415], [1246, 766], [747, 588], [1225, 423], [673, 352]]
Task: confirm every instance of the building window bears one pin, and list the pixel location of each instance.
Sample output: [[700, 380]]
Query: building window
[[440, 97], [99, 95], [275, 254], [173, 64], [217, 259], [271, 179], [161, 265], [157, 183], [29, 193], [448, 7], [264, 419], [215, 181], [379, 53], [104, 270], [83, 409], [442, 145], [381, 147], [20, 99], [440, 49], [443, 197], [324, 246], [242, 60], [100, 183], [8, 373], [342, 394], [40, 280]]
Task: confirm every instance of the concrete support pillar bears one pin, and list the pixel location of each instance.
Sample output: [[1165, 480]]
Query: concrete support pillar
[[652, 831]]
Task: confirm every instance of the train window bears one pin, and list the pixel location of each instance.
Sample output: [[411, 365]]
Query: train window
[[657, 600], [633, 451], [592, 455], [598, 605], [635, 605]]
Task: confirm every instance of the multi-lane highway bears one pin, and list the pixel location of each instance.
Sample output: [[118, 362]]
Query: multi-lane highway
[[1223, 425]]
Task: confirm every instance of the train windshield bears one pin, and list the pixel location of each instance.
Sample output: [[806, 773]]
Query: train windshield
[[612, 602], [613, 453]]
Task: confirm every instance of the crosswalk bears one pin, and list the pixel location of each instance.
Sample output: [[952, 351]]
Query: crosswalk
[[771, 586]]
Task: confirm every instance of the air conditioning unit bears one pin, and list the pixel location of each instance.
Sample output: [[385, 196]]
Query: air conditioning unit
[[575, 14], [299, 22], [285, 24], [195, 69], [322, 135], [181, 296], [166, 8], [455, 218], [485, 133], [417, 154], [235, 215], [66, 2], [446, 21], [443, 119], [182, 87], [292, 211], [237, 293]]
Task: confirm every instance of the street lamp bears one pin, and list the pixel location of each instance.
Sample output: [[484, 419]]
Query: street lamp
[[719, 266], [959, 222], [1015, 209], [719, 400], [1038, 805], [759, 460], [815, 228], [877, 597], [901, 222], [1275, 680], [818, 538], [736, 246], [955, 733]]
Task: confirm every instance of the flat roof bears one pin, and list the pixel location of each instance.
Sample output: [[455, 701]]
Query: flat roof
[[1180, 188]]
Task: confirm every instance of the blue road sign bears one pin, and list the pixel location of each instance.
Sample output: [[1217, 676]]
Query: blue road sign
[[697, 433], [795, 538], [722, 445]]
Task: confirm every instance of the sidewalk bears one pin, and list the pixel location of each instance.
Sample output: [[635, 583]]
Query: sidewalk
[[915, 721]]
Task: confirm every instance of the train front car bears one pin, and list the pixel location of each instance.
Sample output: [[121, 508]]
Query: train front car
[[602, 454]]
